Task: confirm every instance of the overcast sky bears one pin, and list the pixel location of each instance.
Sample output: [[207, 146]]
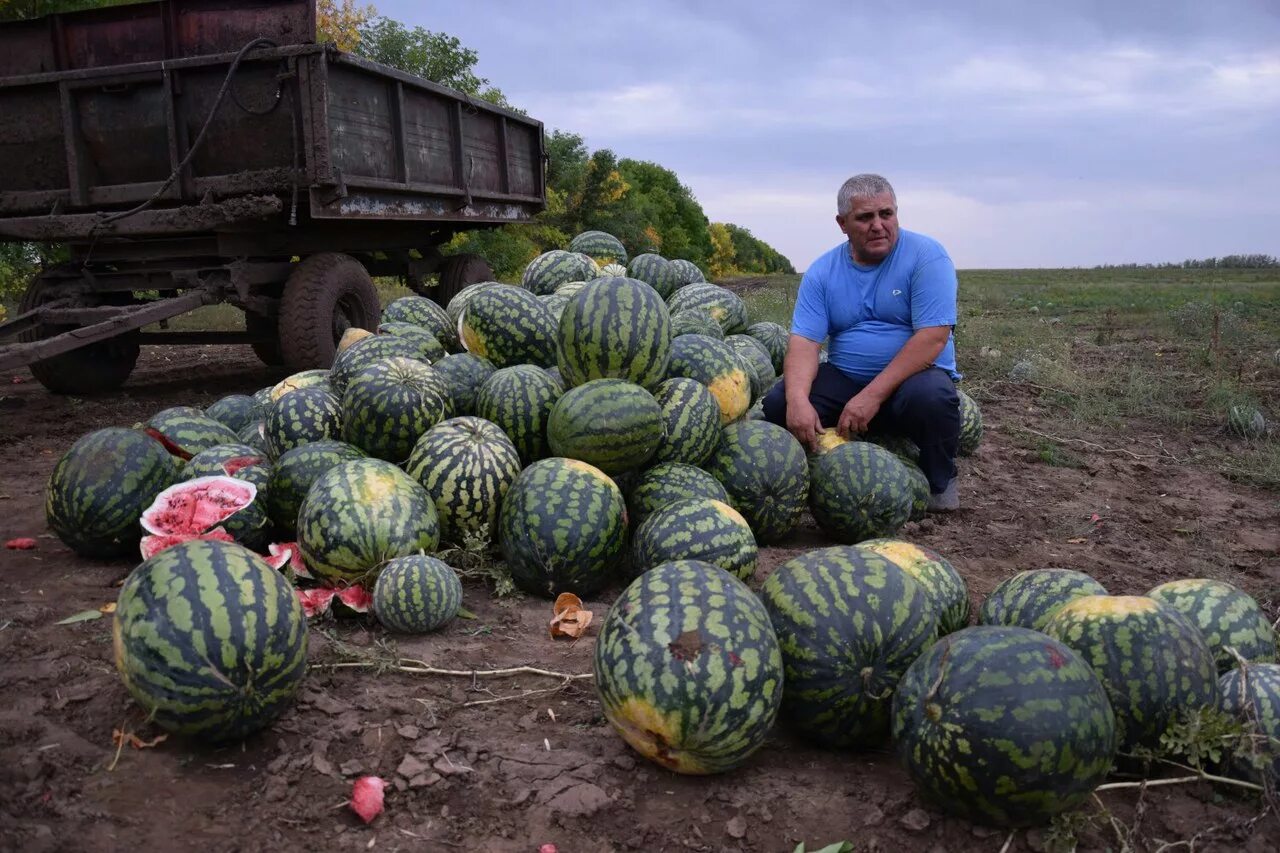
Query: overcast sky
[[1076, 134]]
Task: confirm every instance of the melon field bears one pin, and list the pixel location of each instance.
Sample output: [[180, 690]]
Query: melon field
[[1130, 432]]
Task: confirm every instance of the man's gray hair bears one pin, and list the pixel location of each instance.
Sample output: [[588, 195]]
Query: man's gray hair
[[862, 186]]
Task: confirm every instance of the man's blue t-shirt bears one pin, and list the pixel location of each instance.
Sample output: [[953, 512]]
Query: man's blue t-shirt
[[868, 313]]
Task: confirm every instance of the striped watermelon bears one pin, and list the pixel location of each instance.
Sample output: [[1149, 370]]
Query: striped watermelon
[[1152, 661], [555, 303], [554, 373], [600, 246], [508, 326], [763, 469], [463, 373], [425, 313], [940, 580], [687, 272], [187, 431], [552, 269], [688, 669], [466, 465], [303, 379], [691, 422], [460, 299], [209, 640], [390, 404], [611, 424], [860, 491], [359, 514], [235, 412], [432, 349], [613, 271], [695, 321], [590, 269], [1029, 599], [250, 526], [301, 417], [1004, 726], [849, 623], [100, 487], [724, 306], [365, 352], [563, 528], [255, 436], [293, 474], [970, 424], [416, 594], [696, 529], [519, 400], [215, 461], [715, 365], [756, 357], [667, 483], [573, 288], [1226, 615], [655, 271], [1252, 696], [920, 492], [774, 338], [614, 328]]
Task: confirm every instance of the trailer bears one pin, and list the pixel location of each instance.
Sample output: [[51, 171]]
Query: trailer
[[197, 152]]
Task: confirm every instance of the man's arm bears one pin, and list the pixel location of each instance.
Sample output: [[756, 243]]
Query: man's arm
[[798, 370], [920, 351]]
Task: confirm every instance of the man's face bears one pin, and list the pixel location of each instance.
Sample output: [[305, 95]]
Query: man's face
[[872, 227]]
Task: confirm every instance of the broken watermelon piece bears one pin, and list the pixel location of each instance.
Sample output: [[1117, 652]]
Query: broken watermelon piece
[[194, 509]]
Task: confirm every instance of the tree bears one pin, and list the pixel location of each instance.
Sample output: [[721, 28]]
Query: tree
[[340, 21], [438, 57], [722, 256]]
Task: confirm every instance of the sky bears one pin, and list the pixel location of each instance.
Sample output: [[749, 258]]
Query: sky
[[1018, 133]]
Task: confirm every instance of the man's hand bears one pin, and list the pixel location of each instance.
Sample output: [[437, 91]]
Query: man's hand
[[857, 414], [803, 423]]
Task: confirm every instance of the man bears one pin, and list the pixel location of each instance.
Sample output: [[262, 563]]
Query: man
[[886, 301]]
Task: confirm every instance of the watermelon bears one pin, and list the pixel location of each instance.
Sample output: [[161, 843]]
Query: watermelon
[[666, 483], [235, 412], [1003, 726], [463, 373], [600, 246], [688, 669], [696, 529], [563, 528], [1152, 661], [365, 352], [573, 288], [255, 436], [763, 469], [686, 272], [389, 405], [774, 338], [611, 424], [1227, 617], [295, 471], [508, 326], [1251, 694], [426, 341], [943, 584], [615, 328], [185, 431], [416, 594], [554, 373], [970, 424], [301, 417], [920, 492], [551, 269], [223, 460], [695, 321], [756, 357], [860, 491], [303, 379], [466, 465], [360, 514], [209, 640], [691, 422], [724, 306], [655, 271], [1029, 599], [555, 303], [590, 269], [612, 271], [101, 486], [519, 400], [717, 366], [459, 301], [424, 312], [1246, 422]]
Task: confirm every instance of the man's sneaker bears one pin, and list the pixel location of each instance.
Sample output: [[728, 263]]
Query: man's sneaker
[[947, 500]]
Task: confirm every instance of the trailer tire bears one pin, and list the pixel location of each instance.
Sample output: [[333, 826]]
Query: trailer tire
[[456, 272], [326, 294], [94, 369], [268, 352]]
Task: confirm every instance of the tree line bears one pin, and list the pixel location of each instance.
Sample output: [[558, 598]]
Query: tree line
[[1226, 262]]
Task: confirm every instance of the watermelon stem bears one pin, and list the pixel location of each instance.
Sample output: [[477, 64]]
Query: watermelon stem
[[1181, 780]]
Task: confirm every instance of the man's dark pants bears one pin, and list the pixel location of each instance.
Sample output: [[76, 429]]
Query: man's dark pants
[[925, 408]]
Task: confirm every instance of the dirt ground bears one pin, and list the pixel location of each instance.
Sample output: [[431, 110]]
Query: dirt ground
[[470, 772]]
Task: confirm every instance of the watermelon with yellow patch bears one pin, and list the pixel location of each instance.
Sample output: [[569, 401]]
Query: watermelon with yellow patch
[[717, 366], [1231, 621], [945, 586]]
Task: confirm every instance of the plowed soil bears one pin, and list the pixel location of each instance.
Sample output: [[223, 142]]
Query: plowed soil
[[512, 763]]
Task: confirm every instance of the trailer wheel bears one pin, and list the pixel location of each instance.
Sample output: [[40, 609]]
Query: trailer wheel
[[267, 351], [326, 294], [456, 272], [93, 369]]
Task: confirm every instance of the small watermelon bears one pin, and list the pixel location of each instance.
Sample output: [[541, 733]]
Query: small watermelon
[[424, 312], [717, 366], [615, 328], [691, 422], [696, 529], [724, 306], [655, 271], [860, 491], [687, 272], [1226, 615], [235, 411], [1251, 694], [301, 417], [551, 269], [519, 400], [774, 338], [611, 424], [666, 483], [389, 405], [424, 339], [463, 373], [1029, 599], [600, 246], [365, 352], [416, 594], [945, 586], [508, 326], [970, 424], [763, 468], [295, 471]]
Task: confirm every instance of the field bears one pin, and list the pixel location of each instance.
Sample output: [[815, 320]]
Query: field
[[1105, 397]]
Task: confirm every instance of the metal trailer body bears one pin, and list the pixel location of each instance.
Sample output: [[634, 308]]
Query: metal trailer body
[[191, 152]]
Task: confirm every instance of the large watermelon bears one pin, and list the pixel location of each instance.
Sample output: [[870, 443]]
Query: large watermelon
[[209, 640], [459, 301], [1226, 615], [1004, 726], [763, 468], [666, 483], [552, 269], [466, 465], [416, 594], [186, 430], [611, 424], [519, 400], [970, 424], [687, 272], [756, 357], [600, 246], [295, 471], [725, 306], [508, 326], [688, 669], [695, 321], [464, 373], [366, 351], [235, 411], [774, 338], [717, 366], [691, 422], [100, 487], [849, 623], [389, 405], [945, 586], [1028, 599], [655, 271], [563, 528], [1251, 694], [860, 491], [696, 529], [614, 328], [426, 313], [301, 417], [1154, 663], [360, 514]]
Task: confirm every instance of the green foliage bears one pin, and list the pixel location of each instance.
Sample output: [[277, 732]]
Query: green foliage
[[436, 56], [25, 10], [1205, 738], [19, 262]]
